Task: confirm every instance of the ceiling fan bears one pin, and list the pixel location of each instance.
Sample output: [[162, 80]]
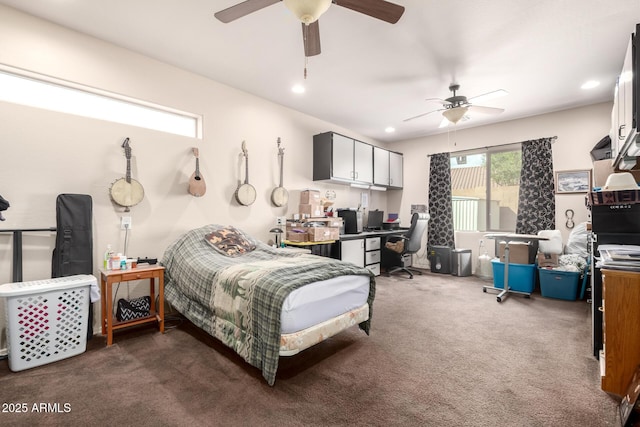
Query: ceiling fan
[[456, 106], [308, 12]]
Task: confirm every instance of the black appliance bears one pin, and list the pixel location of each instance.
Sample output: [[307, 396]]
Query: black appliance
[[374, 220], [440, 259], [352, 220]]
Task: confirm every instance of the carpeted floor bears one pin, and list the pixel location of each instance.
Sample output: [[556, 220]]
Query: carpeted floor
[[441, 353]]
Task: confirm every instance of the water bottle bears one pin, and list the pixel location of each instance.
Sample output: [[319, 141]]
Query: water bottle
[[107, 257]]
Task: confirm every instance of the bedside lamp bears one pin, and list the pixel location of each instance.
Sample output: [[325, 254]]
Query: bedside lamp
[[278, 236]]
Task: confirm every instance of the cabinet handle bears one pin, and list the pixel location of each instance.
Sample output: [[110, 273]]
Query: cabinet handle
[[601, 309]]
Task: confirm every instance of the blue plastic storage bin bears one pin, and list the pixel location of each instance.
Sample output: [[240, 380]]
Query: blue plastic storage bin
[[522, 277], [559, 284]]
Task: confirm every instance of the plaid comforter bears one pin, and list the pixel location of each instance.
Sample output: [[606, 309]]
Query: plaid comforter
[[239, 299]]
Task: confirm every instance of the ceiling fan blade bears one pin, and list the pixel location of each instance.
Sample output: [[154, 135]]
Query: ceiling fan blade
[[380, 9], [311, 38], [421, 115], [489, 95], [439, 101], [241, 9], [485, 110]]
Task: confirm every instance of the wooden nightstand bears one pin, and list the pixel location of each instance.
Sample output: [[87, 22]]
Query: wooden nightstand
[[154, 273]]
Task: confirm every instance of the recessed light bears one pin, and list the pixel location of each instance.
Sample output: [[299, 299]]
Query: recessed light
[[298, 89], [389, 129], [590, 84]]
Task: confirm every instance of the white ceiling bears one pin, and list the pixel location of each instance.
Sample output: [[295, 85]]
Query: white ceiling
[[372, 74]]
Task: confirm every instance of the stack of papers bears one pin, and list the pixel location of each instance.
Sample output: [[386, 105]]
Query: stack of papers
[[620, 257]]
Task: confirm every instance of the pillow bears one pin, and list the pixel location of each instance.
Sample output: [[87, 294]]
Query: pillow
[[230, 241], [395, 246]]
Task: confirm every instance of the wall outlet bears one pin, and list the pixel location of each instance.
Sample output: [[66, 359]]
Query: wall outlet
[[125, 222], [281, 220]]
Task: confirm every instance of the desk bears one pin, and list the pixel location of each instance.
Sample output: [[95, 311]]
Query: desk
[[364, 249], [509, 238], [155, 274], [316, 248]]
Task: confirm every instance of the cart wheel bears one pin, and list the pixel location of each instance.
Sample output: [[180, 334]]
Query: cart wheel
[[499, 299]]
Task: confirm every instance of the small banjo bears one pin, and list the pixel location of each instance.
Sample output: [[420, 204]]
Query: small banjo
[[245, 193], [197, 186], [280, 195], [127, 192]]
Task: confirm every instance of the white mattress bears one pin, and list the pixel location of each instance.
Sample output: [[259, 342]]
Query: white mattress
[[320, 301]]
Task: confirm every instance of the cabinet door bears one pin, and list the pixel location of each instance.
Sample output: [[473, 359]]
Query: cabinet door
[[363, 163], [342, 157], [380, 166], [621, 329], [352, 251], [626, 97], [395, 169]]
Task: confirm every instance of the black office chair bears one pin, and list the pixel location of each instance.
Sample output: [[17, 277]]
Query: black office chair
[[395, 259]]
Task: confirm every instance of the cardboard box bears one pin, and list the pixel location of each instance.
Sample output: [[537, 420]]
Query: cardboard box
[[327, 221], [310, 209], [310, 197], [601, 171], [603, 168], [322, 234], [519, 253], [548, 260], [293, 236]]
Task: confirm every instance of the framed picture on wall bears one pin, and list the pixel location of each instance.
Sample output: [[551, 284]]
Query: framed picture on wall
[[573, 181]]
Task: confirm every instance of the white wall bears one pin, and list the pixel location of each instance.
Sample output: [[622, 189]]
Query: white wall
[[578, 130], [43, 153]]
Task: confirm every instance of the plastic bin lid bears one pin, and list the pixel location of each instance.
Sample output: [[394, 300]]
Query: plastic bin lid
[[37, 286]]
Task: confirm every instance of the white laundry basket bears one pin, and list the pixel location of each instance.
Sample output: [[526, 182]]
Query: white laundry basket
[[46, 319]]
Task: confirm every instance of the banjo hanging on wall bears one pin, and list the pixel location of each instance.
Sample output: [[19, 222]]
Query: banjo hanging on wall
[[245, 193], [280, 195], [126, 191]]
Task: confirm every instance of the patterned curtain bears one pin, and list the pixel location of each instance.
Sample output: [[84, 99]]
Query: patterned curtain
[[440, 228], [536, 199]]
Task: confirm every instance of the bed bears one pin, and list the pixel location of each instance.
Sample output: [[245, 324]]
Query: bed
[[260, 301]]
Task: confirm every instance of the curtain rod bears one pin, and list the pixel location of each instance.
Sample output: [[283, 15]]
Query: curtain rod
[[553, 139]]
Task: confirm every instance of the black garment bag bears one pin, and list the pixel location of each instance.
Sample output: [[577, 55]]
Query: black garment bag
[[73, 253]]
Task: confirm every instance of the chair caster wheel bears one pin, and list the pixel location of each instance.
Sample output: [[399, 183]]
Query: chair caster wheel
[[499, 299]]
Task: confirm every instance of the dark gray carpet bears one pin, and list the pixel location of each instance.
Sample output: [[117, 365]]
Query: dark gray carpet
[[441, 353]]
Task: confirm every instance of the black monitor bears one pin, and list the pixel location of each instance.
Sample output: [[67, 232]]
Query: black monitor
[[374, 220]]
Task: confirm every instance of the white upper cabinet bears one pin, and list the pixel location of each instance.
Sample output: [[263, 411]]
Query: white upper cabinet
[[341, 159], [380, 166], [395, 169]]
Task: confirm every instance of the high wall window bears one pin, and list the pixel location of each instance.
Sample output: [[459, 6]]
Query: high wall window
[[22, 87], [484, 188]]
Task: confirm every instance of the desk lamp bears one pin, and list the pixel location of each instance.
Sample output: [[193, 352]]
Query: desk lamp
[[278, 235]]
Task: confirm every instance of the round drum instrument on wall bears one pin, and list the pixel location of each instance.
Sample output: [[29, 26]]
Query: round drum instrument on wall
[[126, 191], [245, 193]]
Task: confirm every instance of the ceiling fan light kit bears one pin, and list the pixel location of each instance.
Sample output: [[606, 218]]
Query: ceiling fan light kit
[[307, 11], [457, 106], [455, 114]]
